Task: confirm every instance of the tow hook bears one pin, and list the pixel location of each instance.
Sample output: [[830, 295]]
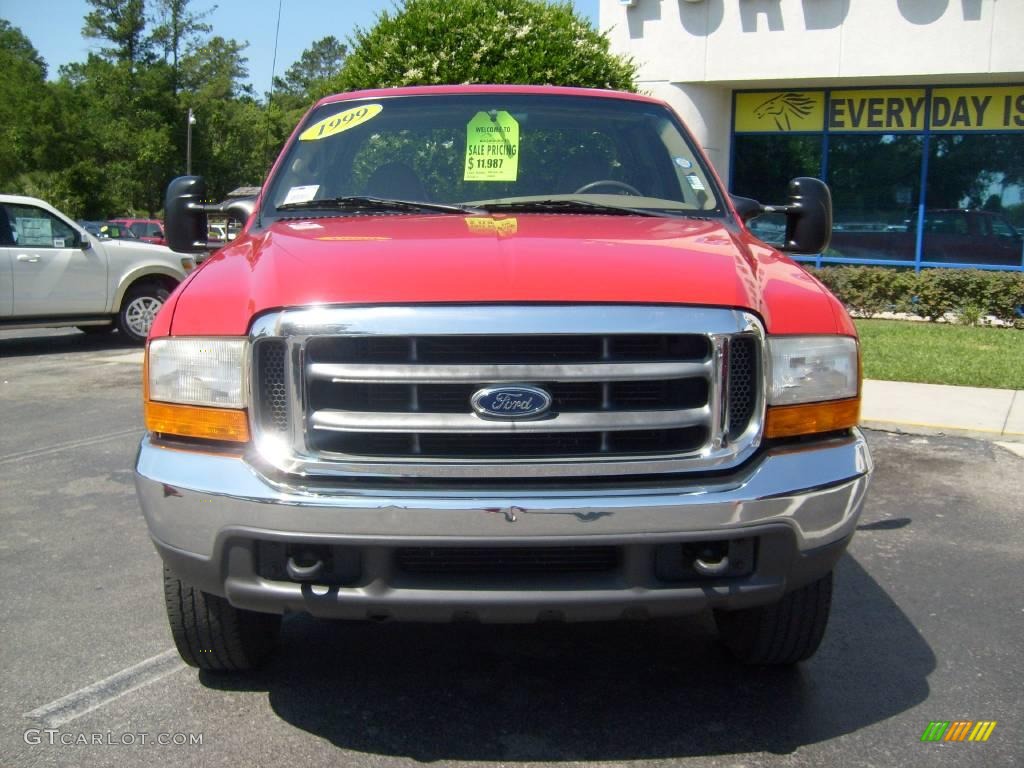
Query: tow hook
[[305, 566], [712, 561]]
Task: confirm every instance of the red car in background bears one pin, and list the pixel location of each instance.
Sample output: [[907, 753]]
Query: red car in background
[[147, 230]]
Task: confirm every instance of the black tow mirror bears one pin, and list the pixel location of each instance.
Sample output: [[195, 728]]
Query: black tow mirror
[[185, 209], [746, 207], [808, 216], [239, 208]]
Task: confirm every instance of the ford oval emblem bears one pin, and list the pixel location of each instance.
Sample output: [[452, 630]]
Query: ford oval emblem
[[511, 402]]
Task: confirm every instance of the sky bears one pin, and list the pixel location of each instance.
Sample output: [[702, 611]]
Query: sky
[[54, 27]]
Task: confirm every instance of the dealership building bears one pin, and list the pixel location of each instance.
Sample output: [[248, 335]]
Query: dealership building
[[911, 110]]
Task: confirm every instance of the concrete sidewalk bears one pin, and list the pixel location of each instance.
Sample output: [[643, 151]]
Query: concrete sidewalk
[[989, 414]]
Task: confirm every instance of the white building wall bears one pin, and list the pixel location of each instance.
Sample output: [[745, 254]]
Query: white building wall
[[693, 53]]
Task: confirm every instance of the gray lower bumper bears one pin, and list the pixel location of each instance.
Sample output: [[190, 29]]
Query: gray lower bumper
[[208, 515]]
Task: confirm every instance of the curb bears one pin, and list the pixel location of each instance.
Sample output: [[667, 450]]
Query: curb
[[941, 409], [938, 430]]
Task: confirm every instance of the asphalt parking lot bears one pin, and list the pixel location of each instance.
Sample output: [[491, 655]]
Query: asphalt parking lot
[[927, 624]]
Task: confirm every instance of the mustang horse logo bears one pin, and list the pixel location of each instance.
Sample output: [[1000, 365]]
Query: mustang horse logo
[[780, 108]]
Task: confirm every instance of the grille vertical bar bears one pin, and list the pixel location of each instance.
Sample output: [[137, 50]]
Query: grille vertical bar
[[743, 384], [272, 388]]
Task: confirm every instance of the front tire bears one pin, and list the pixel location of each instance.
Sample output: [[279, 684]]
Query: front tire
[[212, 634], [138, 310], [785, 632]]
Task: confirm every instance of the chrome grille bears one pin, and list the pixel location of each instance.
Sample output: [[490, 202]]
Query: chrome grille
[[567, 397], [611, 394], [535, 349], [388, 390], [513, 445]]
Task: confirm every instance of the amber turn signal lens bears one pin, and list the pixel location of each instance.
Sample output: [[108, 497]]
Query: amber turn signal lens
[[194, 421], [790, 420]]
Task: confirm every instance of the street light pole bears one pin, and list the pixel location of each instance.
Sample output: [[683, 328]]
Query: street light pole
[[188, 143]]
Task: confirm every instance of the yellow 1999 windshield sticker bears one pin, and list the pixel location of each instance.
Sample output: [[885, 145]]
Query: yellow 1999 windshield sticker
[[342, 121], [492, 147]]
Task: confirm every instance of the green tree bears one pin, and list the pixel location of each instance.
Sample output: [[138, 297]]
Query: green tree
[[178, 31], [22, 93], [14, 44], [230, 132], [216, 70], [119, 140], [302, 84], [426, 42], [763, 165], [967, 169], [123, 23], [307, 77], [110, 133]]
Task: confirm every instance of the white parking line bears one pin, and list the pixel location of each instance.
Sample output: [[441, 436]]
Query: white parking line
[[35, 452], [128, 357], [94, 696], [1017, 448]]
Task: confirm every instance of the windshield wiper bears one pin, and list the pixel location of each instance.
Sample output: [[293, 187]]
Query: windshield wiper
[[565, 206], [365, 203]]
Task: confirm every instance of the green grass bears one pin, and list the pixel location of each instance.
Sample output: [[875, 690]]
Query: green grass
[[934, 353]]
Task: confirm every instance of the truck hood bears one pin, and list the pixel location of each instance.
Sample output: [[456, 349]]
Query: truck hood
[[404, 259]]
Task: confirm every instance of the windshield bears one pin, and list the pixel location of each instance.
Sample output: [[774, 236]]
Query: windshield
[[553, 153]]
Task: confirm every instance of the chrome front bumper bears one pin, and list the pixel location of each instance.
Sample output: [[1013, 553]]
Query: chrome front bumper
[[207, 511]]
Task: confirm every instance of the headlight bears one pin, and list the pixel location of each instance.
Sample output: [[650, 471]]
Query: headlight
[[810, 369], [198, 371], [196, 387], [813, 385]]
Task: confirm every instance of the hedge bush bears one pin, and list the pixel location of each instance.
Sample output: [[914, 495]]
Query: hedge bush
[[436, 42], [970, 294]]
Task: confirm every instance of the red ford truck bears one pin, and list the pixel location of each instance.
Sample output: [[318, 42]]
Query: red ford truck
[[500, 354]]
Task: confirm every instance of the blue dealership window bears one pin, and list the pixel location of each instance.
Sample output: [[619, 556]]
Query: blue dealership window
[[920, 177]]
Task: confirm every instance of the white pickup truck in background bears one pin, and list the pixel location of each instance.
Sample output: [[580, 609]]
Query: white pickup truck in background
[[55, 274]]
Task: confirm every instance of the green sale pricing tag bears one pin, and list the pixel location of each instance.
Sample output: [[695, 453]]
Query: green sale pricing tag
[[492, 147]]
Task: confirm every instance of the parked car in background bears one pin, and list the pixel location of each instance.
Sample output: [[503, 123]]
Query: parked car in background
[[951, 236], [147, 230], [92, 227], [222, 231], [55, 273], [217, 233], [110, 230]]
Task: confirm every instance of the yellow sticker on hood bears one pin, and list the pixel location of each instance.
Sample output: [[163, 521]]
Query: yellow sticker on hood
[[499, 227], [340, 122]]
